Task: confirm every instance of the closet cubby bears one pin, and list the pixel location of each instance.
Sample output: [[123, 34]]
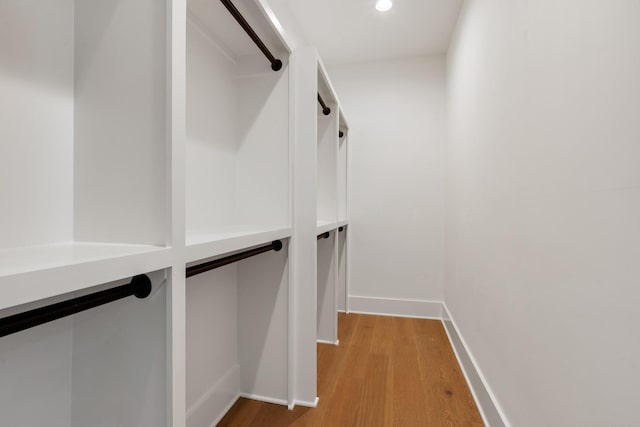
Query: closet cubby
[[327, 155], [327, 322], [237, 125], [83, 154], [237, 335], [105, 366], [238, 168]]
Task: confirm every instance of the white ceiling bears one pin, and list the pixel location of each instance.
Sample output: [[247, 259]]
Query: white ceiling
[[353, 30]]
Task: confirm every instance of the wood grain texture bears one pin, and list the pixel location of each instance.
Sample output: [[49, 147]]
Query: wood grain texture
[[387, 371]]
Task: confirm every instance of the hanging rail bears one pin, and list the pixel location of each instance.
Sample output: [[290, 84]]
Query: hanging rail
[[140, 286], [276, 64], [340, 134], [323, 236], [325, 110], [210, 265], [340, 229]]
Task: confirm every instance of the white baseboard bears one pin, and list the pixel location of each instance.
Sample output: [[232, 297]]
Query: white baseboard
[[490, 410], [423, 309], [265, 399], [216, 402], [305, 403], [336, 343]]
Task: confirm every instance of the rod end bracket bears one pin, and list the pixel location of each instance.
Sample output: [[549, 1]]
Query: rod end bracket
[[277, 245], [276, 65], [142, 285]]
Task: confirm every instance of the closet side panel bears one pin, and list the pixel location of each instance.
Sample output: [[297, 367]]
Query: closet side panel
[[327, 288], [263, 307], [327, 166], [119, 363], [35, 369], [120, 121], [263, 150], [342, 179], [211, 106], [213, 380], [342, 270], [36, 106]]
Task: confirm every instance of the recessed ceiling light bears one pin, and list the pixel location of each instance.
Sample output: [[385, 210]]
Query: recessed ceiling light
[[383, 5]]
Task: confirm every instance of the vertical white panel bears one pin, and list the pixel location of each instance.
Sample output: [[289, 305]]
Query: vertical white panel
[[342, 178], [176, 292], [119, 362], [327, 165], [212, 128], [304, 77], [212, 344], [36, 107], [120, 121], [35, 376], [327, 288], [263, 297], [342, 270], [262, 173]]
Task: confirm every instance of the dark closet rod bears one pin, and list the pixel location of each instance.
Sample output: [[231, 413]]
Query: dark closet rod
[[323, 236], [140, 286], [340, 229], [340, 134], [210, 265], [325, 110], [276, 64]]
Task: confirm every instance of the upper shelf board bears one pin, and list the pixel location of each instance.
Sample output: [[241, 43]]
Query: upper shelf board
[[29, 274]]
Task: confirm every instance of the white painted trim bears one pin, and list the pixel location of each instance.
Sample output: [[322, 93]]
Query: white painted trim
[[336, 342], [226, 409], [306, 404], [266, 399], [422, 309], [230, 377], [486, 401]]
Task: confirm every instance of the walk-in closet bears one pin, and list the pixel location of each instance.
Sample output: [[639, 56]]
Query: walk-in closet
[[293, 213]]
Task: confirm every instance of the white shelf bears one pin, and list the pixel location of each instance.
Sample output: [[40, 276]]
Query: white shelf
[[206, 245], [32, 273]]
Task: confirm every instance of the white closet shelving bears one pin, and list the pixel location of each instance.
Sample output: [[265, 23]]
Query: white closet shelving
[[83, 153], [146, 137], [237, 197], [237, 167]]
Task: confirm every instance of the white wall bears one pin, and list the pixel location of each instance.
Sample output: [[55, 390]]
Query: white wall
[[543, 202], [396, 110]]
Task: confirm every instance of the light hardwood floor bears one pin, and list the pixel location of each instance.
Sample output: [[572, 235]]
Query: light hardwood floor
[[387, 371]]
